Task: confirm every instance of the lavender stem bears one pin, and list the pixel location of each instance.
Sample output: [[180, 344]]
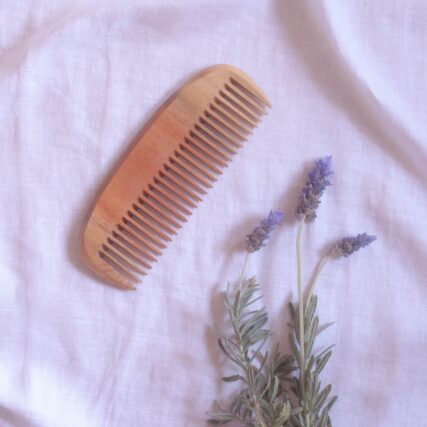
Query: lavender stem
[[317, 272], [242, 274], [301, 306]]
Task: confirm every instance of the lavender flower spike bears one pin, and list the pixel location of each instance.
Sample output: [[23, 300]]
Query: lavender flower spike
[[261, 233], [348, 245], [315, 185]]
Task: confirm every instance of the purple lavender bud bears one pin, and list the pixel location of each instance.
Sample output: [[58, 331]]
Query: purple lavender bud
[[348, 245], [261, 233], [315, 185]]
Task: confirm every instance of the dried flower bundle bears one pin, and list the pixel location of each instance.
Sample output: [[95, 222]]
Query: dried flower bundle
[[281, 389]]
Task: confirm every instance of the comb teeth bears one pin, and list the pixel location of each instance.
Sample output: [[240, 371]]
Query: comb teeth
[[200, 136], [195, 160]]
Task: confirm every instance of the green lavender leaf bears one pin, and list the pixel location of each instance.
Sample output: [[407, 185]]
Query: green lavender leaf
[[321, 398], [309, 309], [331, 403], [221, 418], [322, 422], [291, 310], [321, 363], [311, 335], [232, 378]]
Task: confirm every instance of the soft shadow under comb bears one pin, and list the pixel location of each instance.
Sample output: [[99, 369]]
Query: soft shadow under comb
[[159, 181]]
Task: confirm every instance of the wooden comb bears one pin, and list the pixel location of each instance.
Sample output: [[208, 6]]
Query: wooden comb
[[152, 191]]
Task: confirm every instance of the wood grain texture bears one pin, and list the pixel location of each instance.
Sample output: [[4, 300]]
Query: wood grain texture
[[160, 180]]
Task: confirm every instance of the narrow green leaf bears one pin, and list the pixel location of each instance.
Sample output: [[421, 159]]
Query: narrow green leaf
[[323, 418], [222, 342], [295, 350], [331, 403], [310, 363], [321, 398], [236, 302], [275, 389], [321, 363], [325, 351], [309, 309], [292, 310], [232, 378], [311, 335], [220, 418]]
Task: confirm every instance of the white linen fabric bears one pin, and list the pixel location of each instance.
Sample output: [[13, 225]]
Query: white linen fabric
[[77, 82]]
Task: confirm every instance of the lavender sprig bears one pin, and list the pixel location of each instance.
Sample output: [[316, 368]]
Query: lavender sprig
[[309, 201], [304, 388], [343, 248], [255, 240], [263, 375], [349, 245], [263, 401], [316, 183]]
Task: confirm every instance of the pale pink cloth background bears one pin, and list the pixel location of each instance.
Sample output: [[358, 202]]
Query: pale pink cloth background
[[77, 82]]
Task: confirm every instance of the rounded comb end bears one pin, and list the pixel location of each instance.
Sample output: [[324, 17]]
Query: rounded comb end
[[89, 252]]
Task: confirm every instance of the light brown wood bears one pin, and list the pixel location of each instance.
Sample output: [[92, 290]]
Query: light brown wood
[[159, 181]]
